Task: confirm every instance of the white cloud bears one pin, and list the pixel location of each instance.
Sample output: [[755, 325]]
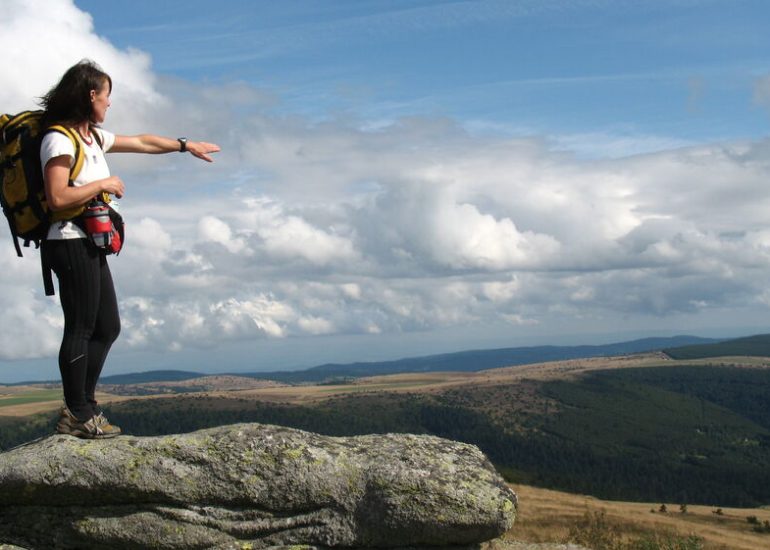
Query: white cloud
[[31, 325], [212, 229], [44, 38], [284, 236], [500, 291]]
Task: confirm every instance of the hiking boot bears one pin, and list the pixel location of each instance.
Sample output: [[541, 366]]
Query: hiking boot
[[105, 425], [92, 428]]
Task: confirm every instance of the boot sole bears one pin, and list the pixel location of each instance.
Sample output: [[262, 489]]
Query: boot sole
[[82, 434]]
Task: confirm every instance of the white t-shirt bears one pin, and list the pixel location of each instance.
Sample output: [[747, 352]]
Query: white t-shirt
[[94, 168]]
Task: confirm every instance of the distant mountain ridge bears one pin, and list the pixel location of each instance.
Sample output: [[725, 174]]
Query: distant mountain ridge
[[476, 360], [470, 361], [151, 376]]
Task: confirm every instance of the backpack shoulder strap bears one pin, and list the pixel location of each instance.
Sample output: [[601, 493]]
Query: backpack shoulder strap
[[75, 211], [79, 156]]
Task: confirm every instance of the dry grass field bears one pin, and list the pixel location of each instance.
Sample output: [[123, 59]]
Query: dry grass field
[[546, 516]]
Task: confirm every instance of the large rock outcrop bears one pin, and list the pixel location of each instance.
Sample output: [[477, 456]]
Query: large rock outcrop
[[250, 486]]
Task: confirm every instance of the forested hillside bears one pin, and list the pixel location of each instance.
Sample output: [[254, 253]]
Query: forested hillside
[[750, 346], [687, 434]]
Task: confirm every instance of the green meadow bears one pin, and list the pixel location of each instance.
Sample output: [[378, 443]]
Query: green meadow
[[32, 396]]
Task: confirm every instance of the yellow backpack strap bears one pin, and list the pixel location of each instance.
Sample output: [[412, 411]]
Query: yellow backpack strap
[[79, 156], [74, 212]]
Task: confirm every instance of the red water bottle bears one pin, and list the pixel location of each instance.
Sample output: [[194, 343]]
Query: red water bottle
[[98, 224]]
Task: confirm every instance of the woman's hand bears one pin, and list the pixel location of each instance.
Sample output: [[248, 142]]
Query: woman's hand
[[61, 196], [113, 185], [201, 149]]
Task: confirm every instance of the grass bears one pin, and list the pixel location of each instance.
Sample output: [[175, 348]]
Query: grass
[[36, 396], [553, 516]]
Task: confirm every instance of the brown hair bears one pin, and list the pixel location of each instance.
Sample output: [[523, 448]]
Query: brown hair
[[69, 102]]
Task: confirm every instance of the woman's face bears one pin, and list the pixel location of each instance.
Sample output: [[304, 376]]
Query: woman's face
[[100, 102]]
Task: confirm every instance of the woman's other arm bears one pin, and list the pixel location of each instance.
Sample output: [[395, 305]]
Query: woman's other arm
[[61, 195]]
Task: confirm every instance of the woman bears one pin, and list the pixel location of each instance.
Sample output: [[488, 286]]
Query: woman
[[91, 320]]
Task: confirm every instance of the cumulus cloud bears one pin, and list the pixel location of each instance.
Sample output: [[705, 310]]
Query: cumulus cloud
[[306, 228], [45, 38]]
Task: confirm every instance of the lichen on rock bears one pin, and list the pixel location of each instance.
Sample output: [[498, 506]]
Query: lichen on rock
[[251, 486]]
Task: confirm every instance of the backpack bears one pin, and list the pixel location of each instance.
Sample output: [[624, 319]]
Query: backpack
[[22, 192]]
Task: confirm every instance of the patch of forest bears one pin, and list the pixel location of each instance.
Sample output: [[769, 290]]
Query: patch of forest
[[749, 346]]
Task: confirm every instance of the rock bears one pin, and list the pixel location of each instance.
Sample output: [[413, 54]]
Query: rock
[[500, 544], [250, 486]]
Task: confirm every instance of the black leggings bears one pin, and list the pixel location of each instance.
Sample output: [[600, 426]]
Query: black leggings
[[91, 319]]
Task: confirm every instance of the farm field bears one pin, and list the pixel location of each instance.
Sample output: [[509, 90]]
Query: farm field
[[29, 396]]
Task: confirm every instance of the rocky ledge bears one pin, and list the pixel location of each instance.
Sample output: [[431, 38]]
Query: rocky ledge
[[251, 486]]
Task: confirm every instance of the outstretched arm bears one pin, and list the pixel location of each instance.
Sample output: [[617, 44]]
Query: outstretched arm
[[149, 143]]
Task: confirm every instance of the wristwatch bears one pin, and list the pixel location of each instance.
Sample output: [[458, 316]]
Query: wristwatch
[[182, 144]]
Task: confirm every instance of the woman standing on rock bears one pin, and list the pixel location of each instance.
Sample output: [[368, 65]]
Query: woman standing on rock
[[79, 102]]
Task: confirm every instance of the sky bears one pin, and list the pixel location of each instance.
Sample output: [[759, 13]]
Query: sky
[[409, 177]]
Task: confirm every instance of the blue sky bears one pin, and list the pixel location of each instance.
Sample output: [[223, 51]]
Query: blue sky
[[409, 177], [671, 69]]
